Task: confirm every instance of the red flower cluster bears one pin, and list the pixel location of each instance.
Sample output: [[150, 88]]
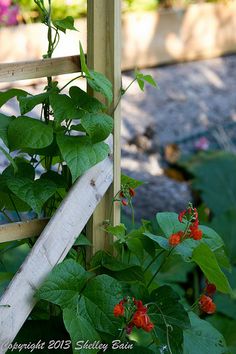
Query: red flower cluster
[[192, 230], [205, 302], [134, 313], [126, 194]]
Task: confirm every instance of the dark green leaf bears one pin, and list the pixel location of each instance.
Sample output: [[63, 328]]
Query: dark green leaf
[[84, 101], [206, 260], [63, 108], [29, 102], [119, 231], [169, 223], [202, 338], [80, 154], [82, 240], [64, 284], [98, 126], [4, 123], [7, 95], [34, 193], [25, 132], [80, 331], [65, 23], [97, 303]]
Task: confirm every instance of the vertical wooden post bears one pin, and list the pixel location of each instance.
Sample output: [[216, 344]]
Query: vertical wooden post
[[104, 55]]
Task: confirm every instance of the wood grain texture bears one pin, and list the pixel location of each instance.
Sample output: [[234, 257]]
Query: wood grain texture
[[52, 247], [104, 55], [10, 72], [21, 230]]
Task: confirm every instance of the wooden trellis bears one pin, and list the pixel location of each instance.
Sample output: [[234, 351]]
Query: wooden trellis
[[95, 188]]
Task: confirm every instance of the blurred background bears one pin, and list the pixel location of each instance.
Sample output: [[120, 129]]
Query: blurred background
[[180, 138]]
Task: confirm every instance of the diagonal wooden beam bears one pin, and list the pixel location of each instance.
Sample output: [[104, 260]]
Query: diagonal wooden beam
[[52, 247], [39, 68]]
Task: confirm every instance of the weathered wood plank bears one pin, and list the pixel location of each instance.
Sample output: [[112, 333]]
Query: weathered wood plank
[[52, 247], [10, 72], [22, 230], [104, 55]]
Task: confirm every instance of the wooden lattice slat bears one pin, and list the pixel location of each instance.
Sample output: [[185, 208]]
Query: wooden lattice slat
[[10, 72]]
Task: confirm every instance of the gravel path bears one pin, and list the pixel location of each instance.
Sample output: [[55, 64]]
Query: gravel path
[[192, 98]]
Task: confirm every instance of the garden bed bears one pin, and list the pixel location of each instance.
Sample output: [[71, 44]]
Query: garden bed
[[149, 38]]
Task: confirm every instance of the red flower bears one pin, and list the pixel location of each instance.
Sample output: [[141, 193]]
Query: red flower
[[210, 289], [124, 202], [119, 310], [175, 239], [131, 192], [142, 320], [196, 234], [207, 305], [181, 215]]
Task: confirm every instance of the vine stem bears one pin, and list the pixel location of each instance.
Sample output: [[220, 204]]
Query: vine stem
[[153, 260], [160, 267]]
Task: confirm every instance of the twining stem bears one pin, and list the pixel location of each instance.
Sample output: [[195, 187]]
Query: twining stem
[[6, 216], [153, 260], [69, 82], [160, 267], [122, 92], [14, 206]]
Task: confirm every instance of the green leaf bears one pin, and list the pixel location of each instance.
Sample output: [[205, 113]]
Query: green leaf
[[169, 223], [206, 260], [84, 101], [64, 284], [214, 175], [80, 331], [119, 231], [98, 126], [141, 79], [63, 107], [80, 154], [29, 102], [34, 193], [24, 169], [4, 124], [225, 224], [7, 95], [25, 132], [168, 311], [202, 338], [97, 303], [64, 24], [135, 246], [226, 326], [82, 240], [84, 67], [99, 83], [10, 159], [130, 182]]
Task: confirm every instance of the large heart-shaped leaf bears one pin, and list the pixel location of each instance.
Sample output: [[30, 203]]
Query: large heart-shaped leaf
[[64, 283], [80, 331], [80, 154], [84, 101], [34, 193], [169, 223], [98, 126], [25, 132], [63, 107], [206, 260], [202, 338], [97, 303], [4, 124], [169, 318]]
